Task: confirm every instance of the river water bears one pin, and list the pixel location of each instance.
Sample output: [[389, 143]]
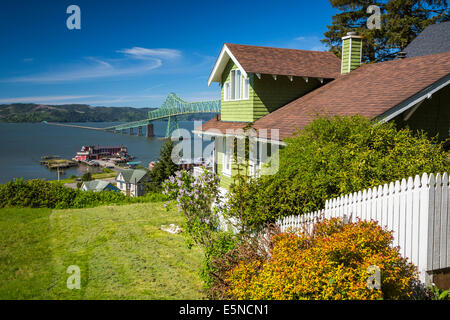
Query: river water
[[23, 145]]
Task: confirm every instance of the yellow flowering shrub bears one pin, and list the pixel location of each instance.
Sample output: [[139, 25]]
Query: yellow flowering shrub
[[330, 263]]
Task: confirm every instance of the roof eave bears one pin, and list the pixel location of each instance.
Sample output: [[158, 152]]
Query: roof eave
[[221, 62], [414, 100]]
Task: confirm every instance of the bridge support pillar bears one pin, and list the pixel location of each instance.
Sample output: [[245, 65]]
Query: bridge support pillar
[[131, 132], [140, 131], [123, 131], [149, 133]]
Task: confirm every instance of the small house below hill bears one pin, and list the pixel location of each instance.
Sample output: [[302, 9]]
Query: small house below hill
[[132, 181]]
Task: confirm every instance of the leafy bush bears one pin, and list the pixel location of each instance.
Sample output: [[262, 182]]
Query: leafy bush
[[330, 157], [195, 197], [44, 194], [87, 177], [230, 252], [330, 263]]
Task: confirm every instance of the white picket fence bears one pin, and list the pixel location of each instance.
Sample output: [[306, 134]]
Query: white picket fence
[[417, 210]]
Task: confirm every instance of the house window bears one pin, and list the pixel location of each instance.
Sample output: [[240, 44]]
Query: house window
[[226, 91], [237, 88], [246, 88], [237, 84], [227, 157], [232, 85]]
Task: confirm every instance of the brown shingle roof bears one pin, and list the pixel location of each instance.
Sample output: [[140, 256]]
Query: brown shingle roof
[[290, 62], [222, 126], [370, 91]]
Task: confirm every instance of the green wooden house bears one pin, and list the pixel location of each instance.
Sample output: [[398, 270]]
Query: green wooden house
[[273, 92]]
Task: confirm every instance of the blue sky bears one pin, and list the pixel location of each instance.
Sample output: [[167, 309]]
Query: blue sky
[[133, 53]]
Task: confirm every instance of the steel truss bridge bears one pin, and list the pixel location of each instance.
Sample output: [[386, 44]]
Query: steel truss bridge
[[172, 108]]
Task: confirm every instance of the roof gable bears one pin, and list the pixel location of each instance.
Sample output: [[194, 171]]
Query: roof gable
[[276, 61], [132, 175]]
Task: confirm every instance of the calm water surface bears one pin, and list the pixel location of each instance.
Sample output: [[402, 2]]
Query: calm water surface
[[23, 145]]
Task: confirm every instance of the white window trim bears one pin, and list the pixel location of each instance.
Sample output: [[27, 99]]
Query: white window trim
[[245, 88], [244, 83], [226, 91]]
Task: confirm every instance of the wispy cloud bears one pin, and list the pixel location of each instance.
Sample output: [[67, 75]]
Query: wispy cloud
[[144, 53], [45, 99], [152, 100], [308, 43], [133, 61]]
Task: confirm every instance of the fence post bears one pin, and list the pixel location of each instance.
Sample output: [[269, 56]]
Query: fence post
[[415, 226], [437, 222], [431, 219], [444, 222], [417, 210], [424, 224]]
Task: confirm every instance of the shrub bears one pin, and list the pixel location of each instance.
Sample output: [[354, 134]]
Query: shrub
[[87, 177], [45, 194], [330, 157], [231, 251], [330, 263], [195, 197]]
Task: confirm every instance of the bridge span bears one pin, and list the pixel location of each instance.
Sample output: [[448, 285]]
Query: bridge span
[[172, 108]]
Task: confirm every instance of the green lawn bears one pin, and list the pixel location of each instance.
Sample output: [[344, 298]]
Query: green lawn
[[120, 251]]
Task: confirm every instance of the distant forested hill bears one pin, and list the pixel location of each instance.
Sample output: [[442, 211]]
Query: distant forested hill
[[30, 112]]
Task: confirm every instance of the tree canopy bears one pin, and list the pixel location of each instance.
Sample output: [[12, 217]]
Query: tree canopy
[[400, 22]]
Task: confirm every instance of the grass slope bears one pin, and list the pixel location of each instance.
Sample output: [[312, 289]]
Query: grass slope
[[120, 250]]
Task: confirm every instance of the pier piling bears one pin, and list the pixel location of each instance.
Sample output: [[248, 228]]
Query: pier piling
[[149, 132]]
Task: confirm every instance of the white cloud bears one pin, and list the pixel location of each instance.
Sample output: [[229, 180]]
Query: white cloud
[[93, 69], [308, 43], [133, 61], [144, 53]]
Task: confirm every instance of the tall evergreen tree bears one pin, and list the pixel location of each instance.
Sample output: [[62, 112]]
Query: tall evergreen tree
[[164, 168], [401, 21]]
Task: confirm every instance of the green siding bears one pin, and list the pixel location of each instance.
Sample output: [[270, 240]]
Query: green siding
[[351, 54], [271, 94], [240, 110], [265, 95], [345, 53]]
